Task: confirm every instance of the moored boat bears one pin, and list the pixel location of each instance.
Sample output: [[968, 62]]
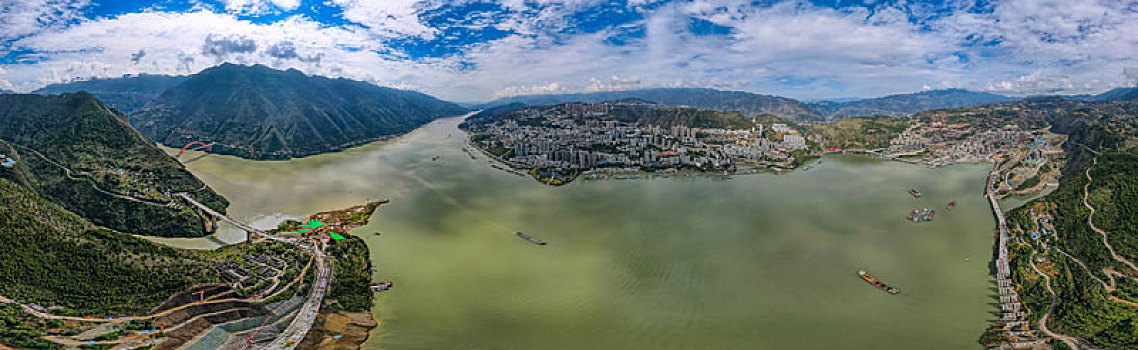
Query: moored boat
[[922, 215], [381, 286], [878, 284]]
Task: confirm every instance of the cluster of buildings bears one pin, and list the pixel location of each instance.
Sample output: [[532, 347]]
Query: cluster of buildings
[[944, 144], [233, 272], [253, 270], [579, 137]]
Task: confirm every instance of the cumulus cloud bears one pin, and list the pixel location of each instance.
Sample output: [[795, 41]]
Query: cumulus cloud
[[387, 17], [286, 50], [1131, 74], [260, 7], [1042, 83], [19, 18], [184, 62], [137, 56], [791, 48], [221, 46], [550, 88], [614, 83]]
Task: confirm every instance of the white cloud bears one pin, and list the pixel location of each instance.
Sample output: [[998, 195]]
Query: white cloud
[[387, 17], [188, 42], [551, 88], [783, 42], [260, 7], [25, 17], [790, 48], [1039, 84]]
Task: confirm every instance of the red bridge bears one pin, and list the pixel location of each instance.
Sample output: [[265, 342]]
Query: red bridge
[[208, 147]]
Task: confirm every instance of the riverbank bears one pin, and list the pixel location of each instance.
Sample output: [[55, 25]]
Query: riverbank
[[340, 331], [560, 177], [343, 321], [671, 273]]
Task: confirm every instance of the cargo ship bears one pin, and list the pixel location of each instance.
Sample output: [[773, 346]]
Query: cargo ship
[[915, 193], [922, 215], [880, 285], [530, 239]]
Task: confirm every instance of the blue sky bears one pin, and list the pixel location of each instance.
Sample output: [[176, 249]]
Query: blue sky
[[478, 50]]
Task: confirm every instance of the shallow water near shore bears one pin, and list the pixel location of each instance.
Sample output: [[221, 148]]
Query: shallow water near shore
[[752, 262]]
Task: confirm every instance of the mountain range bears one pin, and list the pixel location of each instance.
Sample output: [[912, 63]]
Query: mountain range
[[125, 94], [77, 152], [905, 104], [750, 104], [1122, 93], [629, 110], [261, 113]]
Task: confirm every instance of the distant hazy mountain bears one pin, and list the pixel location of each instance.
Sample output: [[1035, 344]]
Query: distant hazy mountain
[[6, 92], [261, 113], [905, 104], [630, 110], [125, 94], [749, 104], [1122, 93]]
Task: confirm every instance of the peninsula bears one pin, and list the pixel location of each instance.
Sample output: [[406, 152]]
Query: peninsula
[[556, 144]]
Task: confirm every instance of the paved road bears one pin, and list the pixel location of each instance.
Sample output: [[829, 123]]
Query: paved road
[[76, 177], [1071, 343], [48, 316], [302, 323], [222, 217], [292, 336]]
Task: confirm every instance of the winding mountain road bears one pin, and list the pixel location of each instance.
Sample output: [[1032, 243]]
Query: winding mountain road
[[1070, 341], [1091, 221]]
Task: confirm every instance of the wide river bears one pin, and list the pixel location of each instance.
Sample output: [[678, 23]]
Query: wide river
[[752, 262]]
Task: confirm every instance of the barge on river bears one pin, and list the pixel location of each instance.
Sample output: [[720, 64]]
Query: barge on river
[[530, 239], [878, 284], [922, 215]]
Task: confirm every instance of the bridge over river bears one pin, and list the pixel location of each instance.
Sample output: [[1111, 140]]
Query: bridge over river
[[291, 337]]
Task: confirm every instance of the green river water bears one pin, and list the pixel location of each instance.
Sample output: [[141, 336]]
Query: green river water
[[752, 262]]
